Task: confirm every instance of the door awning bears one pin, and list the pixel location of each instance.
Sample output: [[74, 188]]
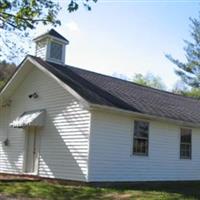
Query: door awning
[[30, 118]]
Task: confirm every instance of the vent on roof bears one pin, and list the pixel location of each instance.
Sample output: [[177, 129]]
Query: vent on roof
[[51, 47]]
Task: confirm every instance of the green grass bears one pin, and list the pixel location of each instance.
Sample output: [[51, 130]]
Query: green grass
[[55, 191]]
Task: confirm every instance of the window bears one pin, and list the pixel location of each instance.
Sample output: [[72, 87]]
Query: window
[[56, 51], [141, 135], [186, 144]]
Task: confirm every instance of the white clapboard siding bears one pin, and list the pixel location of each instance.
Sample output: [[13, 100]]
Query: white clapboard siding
[[15, 164], [111, 159], [41, 49], [64, 138]]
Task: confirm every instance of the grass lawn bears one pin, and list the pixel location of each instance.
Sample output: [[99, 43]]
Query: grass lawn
[[54, 191]]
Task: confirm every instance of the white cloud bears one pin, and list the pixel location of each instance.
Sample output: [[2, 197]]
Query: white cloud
[[73, 26]]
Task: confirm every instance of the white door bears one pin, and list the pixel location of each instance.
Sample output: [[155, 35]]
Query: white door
[[31, 151]]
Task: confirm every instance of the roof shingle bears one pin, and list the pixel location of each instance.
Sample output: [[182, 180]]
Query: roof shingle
[[109, 91]]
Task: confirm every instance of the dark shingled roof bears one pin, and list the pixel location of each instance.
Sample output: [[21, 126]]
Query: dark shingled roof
[[105, 90], [53, 33]]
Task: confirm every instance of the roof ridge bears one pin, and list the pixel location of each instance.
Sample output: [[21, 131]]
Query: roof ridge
[[137, 84], [51, 32]]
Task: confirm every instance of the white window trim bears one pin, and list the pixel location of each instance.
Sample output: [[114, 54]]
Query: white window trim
[[181, 158], [48, 52], [133, 138]]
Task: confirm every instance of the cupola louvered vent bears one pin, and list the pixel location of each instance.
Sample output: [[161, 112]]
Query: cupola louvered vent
[[56, 51], [51, 47]]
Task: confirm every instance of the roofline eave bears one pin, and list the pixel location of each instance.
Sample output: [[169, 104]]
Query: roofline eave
[[80, 99], [143, 116], [66, 42], [13, 76]]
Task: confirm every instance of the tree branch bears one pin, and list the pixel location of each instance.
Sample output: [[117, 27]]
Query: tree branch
[[9, 23], [25, 18]]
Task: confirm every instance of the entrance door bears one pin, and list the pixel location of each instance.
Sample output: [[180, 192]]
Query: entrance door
[[31, 151]]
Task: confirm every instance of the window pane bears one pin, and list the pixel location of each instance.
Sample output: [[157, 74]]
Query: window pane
[[185, 143], [140, 145], [141, 129], [56, 51], [186, 135]]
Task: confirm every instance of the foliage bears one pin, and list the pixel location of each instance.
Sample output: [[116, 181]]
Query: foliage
[[18, 17], [6, 70], [194, 92], [149, 80], [50, 191], [189, 71], [182, 89], [74, 5], [26, 14]]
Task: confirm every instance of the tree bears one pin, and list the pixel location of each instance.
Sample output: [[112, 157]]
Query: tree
[[189, 71], [149, 80], [20, 16], [6, 70], [193, 92], [181, 88], [74, 4], [24, 14]]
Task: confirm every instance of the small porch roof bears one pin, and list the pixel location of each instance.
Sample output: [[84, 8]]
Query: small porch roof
[[33, 118]]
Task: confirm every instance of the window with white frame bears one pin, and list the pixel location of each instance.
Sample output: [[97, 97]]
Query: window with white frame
[[186, 143], [141, 138], [56, 51]]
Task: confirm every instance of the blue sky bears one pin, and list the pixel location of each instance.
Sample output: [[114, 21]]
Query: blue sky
[[127, 37]]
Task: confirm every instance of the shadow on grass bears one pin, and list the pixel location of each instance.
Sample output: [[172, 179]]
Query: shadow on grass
[[186, 189]]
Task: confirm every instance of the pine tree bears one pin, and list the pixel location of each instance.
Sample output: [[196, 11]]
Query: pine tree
[[189, 72]]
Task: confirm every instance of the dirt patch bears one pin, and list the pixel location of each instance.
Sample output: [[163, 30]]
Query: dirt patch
[[117, 196], [10, 177]]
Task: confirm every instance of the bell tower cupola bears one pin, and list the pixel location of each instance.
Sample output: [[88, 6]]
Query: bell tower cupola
[[51, 46]]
